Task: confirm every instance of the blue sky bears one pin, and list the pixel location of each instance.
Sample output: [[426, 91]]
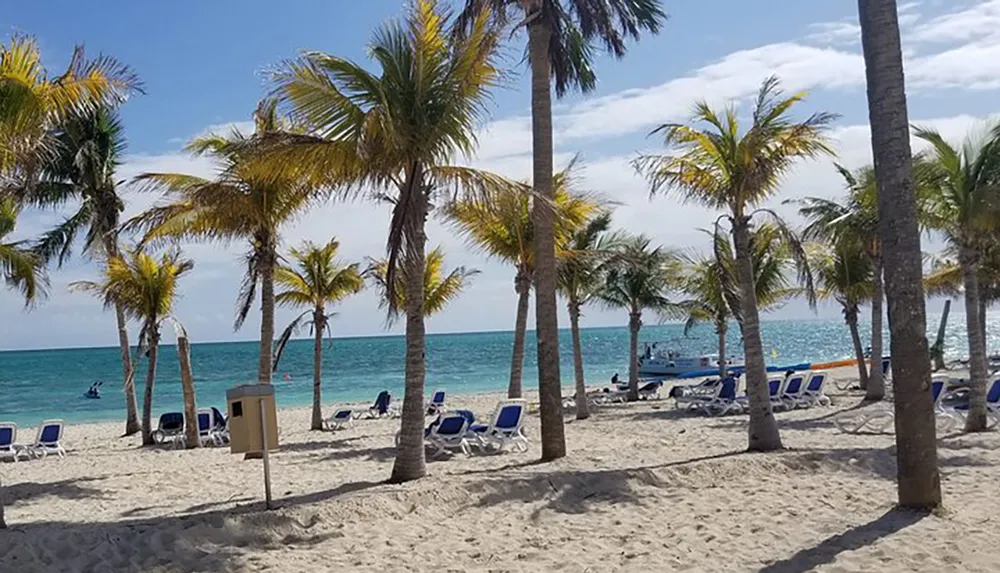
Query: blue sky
[[204, 65]]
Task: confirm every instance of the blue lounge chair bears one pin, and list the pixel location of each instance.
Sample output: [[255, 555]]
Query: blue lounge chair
[[882, 416], [506, 428], [813, 394], [692, 396], [48, 439], [382, 405], [992, 403], [8, 435], [450, 431], [795, 385], [340, 420], [170, 427], [725, 401], [436, 404]]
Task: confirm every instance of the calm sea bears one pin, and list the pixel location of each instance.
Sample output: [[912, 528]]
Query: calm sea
[[42, 384]]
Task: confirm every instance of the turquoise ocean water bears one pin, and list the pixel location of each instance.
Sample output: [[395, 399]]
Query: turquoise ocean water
[[42, 384]]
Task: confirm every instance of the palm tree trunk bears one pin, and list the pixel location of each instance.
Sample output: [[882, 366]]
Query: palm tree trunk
[[982, 316], [410, 463], [265, 360], [976, 419], [546, 318], [128, 374], [916, 441], [319, 324], [187, 386], [851, 318], [582, 407], [147, 400], [763, 430], [938, 348], [522, 286], [634, 324], [3, 523], [875, 390], [721, 328]]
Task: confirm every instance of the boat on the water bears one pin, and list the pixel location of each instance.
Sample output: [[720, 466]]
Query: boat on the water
[[662, 359]]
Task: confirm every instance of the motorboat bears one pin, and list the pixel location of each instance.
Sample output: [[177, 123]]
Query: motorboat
[[661, 359]]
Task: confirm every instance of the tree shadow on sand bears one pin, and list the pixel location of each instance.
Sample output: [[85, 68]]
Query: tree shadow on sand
[[894, 521], [15, 493]]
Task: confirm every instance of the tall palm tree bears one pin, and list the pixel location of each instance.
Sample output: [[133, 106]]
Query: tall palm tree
[[501, 226], [244, 202], [397, 132], [439, 288], [20, 266], [581, 276], [317, 279], [32, 102], [561, 37], [916, 445], [945, 277], [720, 166], [844, 273], [965, 205], [145, 288], [639, 277], [89, 149]]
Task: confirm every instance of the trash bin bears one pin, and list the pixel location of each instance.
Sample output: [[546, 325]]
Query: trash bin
[[247, 418]]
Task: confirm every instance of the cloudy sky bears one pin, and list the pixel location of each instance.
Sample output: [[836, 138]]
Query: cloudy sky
[[205, 64]]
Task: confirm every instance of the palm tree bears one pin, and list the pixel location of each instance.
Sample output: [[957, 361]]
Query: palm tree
[[945, 277], [397, 133], [639, 278], [317, 279], [20, 267], [965, 205], [34, 102], [916, 445], [561, 36], [89, 148], [244, 202], [145, 288], [845, 274], [439, 288], [719, 166], [581, 276], [501, 226]]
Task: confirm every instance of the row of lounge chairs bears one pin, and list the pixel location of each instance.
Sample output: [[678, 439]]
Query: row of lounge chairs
[[213, 428], [456, 429], [382, 408], [717, 398], [47, 441], [647, 391]]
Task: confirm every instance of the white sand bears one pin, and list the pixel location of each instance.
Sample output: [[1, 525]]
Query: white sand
[[644, 488]]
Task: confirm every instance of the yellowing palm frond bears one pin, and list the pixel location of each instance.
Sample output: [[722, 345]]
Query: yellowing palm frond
[[440, 288]]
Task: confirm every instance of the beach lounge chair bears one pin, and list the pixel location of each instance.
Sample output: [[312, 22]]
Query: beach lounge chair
[[992, 403], [813, 394], [450, 431], [881, 417], [725, 401], [650, 390], [792, 393], [690, 396], [382, 406], [170, 427], [47, 441], [506, 428], [340, 420], [8, 435], [436, 403]]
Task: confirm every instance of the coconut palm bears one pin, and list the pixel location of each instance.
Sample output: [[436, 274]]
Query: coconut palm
[[243, 202], [845, 274], [397, 133], [916, 442], [439, 287], [561, 37], [145, 288], [716, 164], [32, 102], [638, 278], [20, 267], [501, 226], [581, 276], [317, 279], [964, 205], [89, 148], [945, 276]]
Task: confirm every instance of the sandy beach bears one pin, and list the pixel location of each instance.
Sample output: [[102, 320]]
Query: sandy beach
[[644, 488]]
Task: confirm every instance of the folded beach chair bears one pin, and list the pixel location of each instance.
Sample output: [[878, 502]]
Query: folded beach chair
[[170, 427], [813, 394], [340, 420], [795, 386], [8, 435], [47, 440], [436, 403], [450, 431], [882, 417], [505, 428]]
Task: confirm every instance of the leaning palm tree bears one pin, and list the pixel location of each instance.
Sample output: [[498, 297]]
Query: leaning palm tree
[[716, 164], [845, 274], [317, 279], [581, 276], [945, 276], [639, 277], [243, 202], [89, 149], [501, 226], [397, 132], [145, 288], [561, 36], [34, 103], [440, 288], [916, 442], [21, 268], [965, 206]]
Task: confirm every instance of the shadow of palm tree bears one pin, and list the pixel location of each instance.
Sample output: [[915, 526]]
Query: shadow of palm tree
[[894, 521], [15, 493]]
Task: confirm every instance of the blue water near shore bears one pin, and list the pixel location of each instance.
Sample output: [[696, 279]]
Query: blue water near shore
[[40, 384]]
